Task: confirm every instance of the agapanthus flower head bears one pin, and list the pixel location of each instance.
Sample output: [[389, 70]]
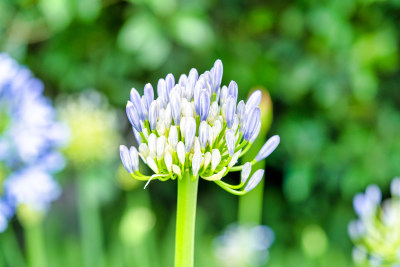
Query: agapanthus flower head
[[93, 127], [29, 138], [244, 245], [194, 126], [376, 233]]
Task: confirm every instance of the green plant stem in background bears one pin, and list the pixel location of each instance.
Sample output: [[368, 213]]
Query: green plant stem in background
[[10, 250], [34, 241], [90, 225], [185, 221]]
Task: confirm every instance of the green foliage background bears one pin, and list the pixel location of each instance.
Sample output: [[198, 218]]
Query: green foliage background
[[331, 67]]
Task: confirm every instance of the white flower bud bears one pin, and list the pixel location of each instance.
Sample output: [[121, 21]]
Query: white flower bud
[[168, 160], [207, 159], [152, 164], [213, 113], [160, 146], [246, 170], [173, 136], [144, 151], [180, 150], [176, 169], [188, 110], [152, 141], [168, 116], [210, 135], [217, 176], [395, 187], [223, 111], [196, 163], [182, 126], [196, 145], [215, 159], [234, 159]]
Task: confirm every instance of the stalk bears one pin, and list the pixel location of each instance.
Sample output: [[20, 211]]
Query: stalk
[[185, 221], [90, 225], [35, 245], [10, 249]]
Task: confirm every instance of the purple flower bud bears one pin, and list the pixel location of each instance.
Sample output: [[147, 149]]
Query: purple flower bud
[[230, 142], [230, 111], [148, 94], [133, 153], [254, 180], [256, 133], [183, 80], [125, 157], [203, 134], [361, 206], [200, 85], [253, 101], [268, 148], [137, 136], [251, 123], [153, 115], [175, 107], [204, 105], [162, 92], [233, 89], [190, 132], [374, 194], [217, 72], [133, 116], [145, 109], [169, 82], [137, 102], [193, 77]]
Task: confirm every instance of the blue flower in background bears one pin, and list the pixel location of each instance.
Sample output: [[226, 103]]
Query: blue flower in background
[[29, 137]]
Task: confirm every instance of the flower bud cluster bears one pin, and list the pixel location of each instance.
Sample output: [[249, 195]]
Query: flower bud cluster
[[194, 125], [376, 233]]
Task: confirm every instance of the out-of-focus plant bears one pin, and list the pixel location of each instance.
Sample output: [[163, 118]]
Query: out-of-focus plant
[[94, 135], [93, 125], [194, 129], [29, 139], [376, 233], [243, 245]]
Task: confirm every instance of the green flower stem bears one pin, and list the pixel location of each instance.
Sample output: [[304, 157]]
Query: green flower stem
[[90, 225], [35, 244], [185, 220], [11, 252]]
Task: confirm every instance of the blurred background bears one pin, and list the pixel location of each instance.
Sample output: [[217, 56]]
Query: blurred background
[[332, 71]]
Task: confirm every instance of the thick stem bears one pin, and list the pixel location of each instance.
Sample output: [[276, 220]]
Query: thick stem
[[251, 205], [35, 245], [10, 249], [90, 226], [185, 221]]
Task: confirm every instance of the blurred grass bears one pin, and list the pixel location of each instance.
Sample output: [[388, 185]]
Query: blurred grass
[[332, 69]]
